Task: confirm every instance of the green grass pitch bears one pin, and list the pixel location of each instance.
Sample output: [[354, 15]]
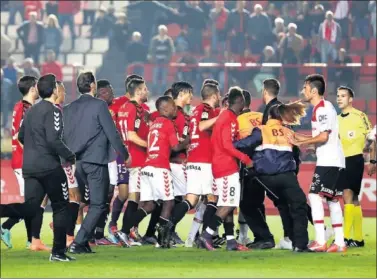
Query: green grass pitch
[[116, 262]]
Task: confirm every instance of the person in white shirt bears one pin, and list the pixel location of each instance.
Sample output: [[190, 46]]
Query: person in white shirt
[[330, 160]]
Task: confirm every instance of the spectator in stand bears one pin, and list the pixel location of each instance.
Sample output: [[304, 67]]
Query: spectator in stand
[[317, 16], [271, 12], [182, 41], [285, 13], [30, 69], [359, 15], [341, 16], [6, 91], [52, 7], [311, 54], [218, 19], [216, 73], [6, 45], [330, 36], [110, 15], [119, 37], [33, 6], [343, 76], [66, 15], [31, 33], [237, 23], [89, 11], [279, 31], [102, 25], [290, 53], [196, 22], [161, 50], [188, 72], [53, 35], [14, 8], [260, 29], [137, 53], [51, 66], [266, 72], [13, 73], [304, 21], [372, 10]]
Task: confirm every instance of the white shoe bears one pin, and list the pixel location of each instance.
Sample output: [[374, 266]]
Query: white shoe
[[329, 233], [285, 244], [189, 243]]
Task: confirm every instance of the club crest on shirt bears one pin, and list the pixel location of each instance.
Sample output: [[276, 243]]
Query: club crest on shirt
[[351, 134], [205, 115], [137, 123]]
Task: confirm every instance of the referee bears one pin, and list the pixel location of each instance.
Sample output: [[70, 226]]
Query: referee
[[41, 134], [354, 127]]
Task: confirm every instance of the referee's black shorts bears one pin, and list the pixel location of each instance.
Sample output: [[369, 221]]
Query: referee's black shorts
[[352, 176]]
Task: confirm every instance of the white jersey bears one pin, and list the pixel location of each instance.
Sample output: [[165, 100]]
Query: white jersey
[[372, 134], [329, 154]]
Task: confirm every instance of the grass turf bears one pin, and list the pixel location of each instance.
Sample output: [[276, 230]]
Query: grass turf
[[116, 262]]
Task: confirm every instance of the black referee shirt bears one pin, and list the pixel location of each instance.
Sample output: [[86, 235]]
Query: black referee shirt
[[41, 134]]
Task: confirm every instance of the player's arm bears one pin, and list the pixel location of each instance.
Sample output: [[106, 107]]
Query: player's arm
[[226, 138], [175, 145], [302, 137], [16, 126], [248, 144], [110, 131], [21, 133], [132, 136], [54, 135], [207, 124], [371, 167]]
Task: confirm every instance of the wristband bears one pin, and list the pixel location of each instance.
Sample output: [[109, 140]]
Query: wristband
[[373, 162]]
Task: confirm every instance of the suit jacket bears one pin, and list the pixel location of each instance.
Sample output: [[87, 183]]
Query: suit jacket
[[23, 33], [89, 131]]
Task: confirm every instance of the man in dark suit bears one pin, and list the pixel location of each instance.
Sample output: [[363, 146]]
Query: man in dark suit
[[31, 33], [91, 134]]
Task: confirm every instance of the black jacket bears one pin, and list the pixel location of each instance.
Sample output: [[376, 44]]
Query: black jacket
[[24, 29], [41, 133]]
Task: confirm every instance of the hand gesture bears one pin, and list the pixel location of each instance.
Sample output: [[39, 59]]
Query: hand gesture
[[128, 161]]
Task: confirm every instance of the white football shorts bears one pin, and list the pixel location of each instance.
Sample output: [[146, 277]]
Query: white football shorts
[[178, 172], [70, 173], [199, 178], [134, 182], [20, 181], [156, 184], [113, 172], [229, 188]]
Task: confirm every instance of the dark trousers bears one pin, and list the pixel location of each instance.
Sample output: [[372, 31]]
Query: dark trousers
[[286, 189], [33, 51], [96, 179], [54, 184], [89, 16]]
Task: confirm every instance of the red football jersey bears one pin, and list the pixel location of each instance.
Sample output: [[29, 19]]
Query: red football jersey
[[115, 106], [182, 122], [153, 116], [146, 107], [162, 136], [224, 155], [133, 117], [19, 111], [200, 148]]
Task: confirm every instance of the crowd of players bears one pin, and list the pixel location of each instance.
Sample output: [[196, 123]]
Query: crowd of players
[[214, 159]]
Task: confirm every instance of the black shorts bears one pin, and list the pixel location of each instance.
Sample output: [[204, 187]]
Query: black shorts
[[325, 181], [352, 176]]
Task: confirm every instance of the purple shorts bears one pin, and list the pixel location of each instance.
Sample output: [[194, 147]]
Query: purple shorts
[[123, 174]]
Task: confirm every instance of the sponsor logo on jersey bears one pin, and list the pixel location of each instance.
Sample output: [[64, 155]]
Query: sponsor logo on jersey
[[146, 173], [193, 167], [351, 134]]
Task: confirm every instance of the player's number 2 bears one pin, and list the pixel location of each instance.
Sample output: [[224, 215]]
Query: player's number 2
[[194, 135], [153, 137]]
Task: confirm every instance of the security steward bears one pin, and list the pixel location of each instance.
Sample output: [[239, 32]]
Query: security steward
[[275, 166]]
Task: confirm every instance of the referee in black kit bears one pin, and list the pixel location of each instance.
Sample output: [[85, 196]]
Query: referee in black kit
[[41, 134]]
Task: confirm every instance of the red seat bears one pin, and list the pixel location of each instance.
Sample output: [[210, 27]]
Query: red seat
[[358, 44], [372, 106], [371, 69], [372, 118], [355, 58], [372, 45], [359, 104], [256, 104]]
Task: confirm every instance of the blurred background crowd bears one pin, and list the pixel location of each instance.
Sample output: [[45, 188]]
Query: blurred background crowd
[[236, 42]]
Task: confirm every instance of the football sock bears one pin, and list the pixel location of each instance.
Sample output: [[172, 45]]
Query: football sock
[[336, 216], [151, 230], [358, 223], [180, 211], [116, 211], [130, 210], [197, 221], [208, 214], [215, 222], [135, 219], [8, 224], [348, 219], [36, 223], [229, 230], [73, 209], [318, 213]]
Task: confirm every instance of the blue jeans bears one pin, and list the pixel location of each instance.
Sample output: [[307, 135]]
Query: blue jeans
[[326, 50], [160, 73], [362, 28], [69, 19]]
